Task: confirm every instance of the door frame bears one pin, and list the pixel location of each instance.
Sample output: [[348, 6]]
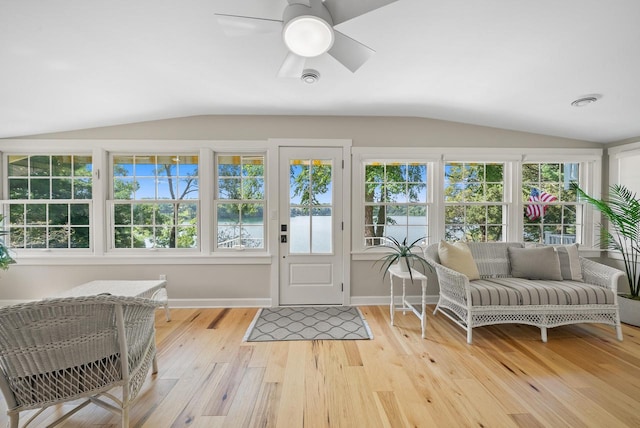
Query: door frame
[[274, 214]]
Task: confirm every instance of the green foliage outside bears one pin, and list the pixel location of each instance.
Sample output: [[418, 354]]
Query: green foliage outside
[[49, 179], [394, 191], [475, 196], [475, 207], [240, 179], [140, 224], [5, 257], [562, 216]]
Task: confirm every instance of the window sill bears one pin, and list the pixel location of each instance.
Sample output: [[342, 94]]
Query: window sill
[[136, 259]]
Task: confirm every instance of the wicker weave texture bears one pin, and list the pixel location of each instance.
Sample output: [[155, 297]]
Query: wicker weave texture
[[493, 262], [58, 350]]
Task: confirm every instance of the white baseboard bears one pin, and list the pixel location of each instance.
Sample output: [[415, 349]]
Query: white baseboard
[[384, 300], [262, 303], [190, 303]]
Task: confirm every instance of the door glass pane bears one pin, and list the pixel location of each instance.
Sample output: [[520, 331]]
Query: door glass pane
[[310, 206], [300, 228], [321, 231]]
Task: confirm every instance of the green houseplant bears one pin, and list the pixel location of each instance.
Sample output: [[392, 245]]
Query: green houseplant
[[401, 253], [622, 211], [5, 256]]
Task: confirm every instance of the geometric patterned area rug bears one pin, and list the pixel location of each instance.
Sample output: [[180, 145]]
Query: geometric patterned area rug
[[308, 323]]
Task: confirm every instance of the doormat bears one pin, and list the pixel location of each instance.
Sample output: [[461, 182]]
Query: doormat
[[308, 323]]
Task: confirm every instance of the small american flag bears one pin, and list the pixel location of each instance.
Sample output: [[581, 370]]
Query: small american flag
[[534, 211]]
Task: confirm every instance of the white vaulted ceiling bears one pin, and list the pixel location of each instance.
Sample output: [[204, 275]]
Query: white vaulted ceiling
[[73, 64]]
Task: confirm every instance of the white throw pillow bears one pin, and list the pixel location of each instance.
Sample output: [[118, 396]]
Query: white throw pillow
[[458, 257]]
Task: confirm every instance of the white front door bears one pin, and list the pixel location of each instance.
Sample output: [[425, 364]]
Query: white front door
[[311, 245]]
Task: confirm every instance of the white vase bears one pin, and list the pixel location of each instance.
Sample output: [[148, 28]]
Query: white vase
[[629, 311], [402, 265]]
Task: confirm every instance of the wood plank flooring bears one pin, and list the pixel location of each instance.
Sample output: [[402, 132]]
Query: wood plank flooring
[[583, 377]]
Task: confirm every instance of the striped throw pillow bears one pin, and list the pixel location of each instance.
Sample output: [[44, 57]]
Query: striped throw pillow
[[569, 262]]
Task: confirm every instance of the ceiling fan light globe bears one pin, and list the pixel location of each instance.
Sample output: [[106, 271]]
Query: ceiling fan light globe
[[308, 36]]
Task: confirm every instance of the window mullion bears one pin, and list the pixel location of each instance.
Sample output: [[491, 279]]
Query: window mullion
[[101, 227], [208, 188]]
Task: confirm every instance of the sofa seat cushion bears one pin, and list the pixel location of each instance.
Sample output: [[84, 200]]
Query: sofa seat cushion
[[519, 291]]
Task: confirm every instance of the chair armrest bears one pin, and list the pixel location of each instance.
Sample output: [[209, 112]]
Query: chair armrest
[[453, 284], [601, 275]]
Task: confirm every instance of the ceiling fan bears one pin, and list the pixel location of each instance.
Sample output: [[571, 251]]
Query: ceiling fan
[[308, 31]]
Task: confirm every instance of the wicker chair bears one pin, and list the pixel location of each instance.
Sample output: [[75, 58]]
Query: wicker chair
[[58, 350]]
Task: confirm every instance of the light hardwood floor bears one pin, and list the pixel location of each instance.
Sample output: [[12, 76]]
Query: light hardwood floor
[[583, 377]]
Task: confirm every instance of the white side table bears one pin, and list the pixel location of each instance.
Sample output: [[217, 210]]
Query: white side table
[[395, 272], [151, 289]]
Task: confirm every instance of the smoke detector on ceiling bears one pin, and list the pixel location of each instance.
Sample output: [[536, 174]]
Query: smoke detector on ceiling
[[310, 76]]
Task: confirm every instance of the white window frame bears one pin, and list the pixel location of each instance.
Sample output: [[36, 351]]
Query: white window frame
[[218, 201], [361, 156], [101, 150], [617, 156], [590, 177], [505, 202], [20, 252], [111, 202]]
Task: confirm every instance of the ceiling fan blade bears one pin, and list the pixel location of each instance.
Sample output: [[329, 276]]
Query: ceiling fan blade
[[292, 66], [342, 10], [235, 25], [350, 53]]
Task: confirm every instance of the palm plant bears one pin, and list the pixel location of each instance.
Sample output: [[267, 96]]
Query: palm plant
[[622, 211], [401, 253], [5, 256]]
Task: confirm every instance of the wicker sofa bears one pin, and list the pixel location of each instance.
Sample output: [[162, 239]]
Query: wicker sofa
[[499, 298]]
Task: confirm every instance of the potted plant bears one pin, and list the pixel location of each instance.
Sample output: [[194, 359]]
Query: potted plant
[[622, 212], [402, 254], [5, 256]]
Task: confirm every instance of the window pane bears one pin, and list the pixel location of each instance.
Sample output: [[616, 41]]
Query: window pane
[[82, 188], [321, 236], [471, 191], [122, 214], [61, 188], [79, 214], [40, 188], [39, 166], [187, 236], [49, 180], [16, 214], [398, 191], [58, 214], [551, 202], [18, 166], [18, 188], [229, 188], [300, 231], [36, 237], [61, 166], [170, 178], [122, 237], [80, 237], [187, 213]]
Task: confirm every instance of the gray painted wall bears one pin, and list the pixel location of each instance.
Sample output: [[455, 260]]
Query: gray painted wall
[[241, 285]]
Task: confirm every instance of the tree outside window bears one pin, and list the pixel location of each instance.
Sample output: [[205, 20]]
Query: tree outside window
[[474, 201], [49, 201], [552, 214], [395, 201], [240, 201], [155, 201]]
